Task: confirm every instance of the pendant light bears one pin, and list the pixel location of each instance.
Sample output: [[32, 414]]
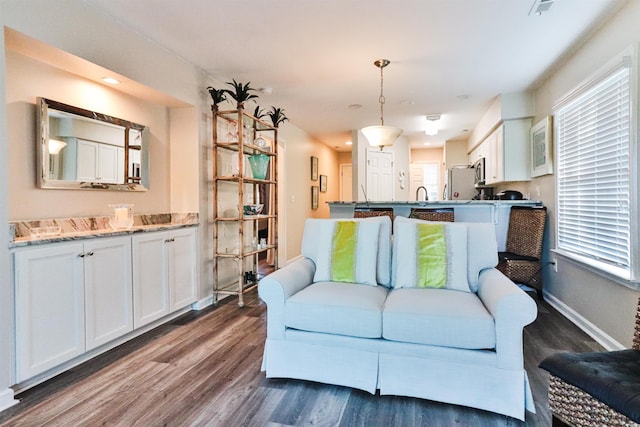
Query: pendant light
[[381, 136]]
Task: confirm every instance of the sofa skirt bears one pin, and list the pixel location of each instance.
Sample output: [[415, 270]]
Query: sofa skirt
[[461, 382]]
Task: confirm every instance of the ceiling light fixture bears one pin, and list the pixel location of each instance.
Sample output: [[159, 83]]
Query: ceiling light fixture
[[381, 136], [110, 80], [540, 6], [432, 126]]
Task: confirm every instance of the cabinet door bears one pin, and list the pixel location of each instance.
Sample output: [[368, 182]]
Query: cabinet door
[[108, 163], [182, 268], [150, 284], [108, 290], [49, 307], [87, 162]]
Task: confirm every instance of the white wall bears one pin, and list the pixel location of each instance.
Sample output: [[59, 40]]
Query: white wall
[[6, 288], [599, 304]]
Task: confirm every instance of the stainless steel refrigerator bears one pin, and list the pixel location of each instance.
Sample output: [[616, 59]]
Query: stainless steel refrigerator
[[461, 183]]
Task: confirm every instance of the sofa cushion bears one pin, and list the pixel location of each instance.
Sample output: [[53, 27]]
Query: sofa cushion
[[314, 229], [347, 252], [337, 308], [421, 259], [440, 317]]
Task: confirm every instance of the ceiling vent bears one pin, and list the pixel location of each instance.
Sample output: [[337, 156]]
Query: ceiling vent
[[540, 6]]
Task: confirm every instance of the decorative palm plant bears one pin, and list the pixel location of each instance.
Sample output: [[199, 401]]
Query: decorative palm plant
[[277, 116], [259, 113], [241, 92], [217, 95]]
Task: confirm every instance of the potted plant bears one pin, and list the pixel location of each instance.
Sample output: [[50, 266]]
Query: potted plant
[[241, 92], [217, 96], [259, 113], [277, 116]]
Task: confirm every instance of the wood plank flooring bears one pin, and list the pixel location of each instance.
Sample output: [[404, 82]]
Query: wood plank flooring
[[203, 369]]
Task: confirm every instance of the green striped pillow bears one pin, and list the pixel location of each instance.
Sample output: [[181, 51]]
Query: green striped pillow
[[347, 252]]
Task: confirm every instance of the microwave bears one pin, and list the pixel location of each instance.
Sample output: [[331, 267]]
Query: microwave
[[479, 167]]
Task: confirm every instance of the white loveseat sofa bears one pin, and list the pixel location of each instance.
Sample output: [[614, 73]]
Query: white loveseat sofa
[[460, 344]]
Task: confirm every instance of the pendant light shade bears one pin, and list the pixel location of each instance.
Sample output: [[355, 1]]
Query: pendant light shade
[[381, 136]]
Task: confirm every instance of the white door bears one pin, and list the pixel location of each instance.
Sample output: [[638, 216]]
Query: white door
[[108, 163], [49, 308], [150, 285], [379, 176], [426, 175], [182, 268], [346, 182], [108, 289]]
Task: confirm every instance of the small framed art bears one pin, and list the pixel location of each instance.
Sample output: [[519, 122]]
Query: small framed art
[[314, 168], [315, 195], [541, 148], [323, 183]]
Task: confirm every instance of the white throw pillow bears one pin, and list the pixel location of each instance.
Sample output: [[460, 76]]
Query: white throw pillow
[[405, 254], [364, 248]]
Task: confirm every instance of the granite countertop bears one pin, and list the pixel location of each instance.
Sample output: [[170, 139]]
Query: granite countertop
[[437, 202], [69, 229]]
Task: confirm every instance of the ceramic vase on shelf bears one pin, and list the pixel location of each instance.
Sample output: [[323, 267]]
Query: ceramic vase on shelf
[[259, 164]]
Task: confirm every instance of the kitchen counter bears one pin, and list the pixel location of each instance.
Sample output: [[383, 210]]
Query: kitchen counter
[[20, 234], [494, 211]]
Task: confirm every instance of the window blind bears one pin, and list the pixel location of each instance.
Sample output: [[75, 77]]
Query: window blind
[[593, 176]]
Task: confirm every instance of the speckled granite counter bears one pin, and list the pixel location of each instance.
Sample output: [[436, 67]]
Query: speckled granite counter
[[20, 232]]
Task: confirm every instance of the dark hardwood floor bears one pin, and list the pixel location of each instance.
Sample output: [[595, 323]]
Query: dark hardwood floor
[[203, 369]]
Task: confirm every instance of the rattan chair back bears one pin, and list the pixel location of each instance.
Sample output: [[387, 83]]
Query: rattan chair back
[[526, 230], [441, 214], [371, 212]]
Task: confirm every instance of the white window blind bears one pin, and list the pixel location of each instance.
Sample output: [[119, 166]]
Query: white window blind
[[593, 133]]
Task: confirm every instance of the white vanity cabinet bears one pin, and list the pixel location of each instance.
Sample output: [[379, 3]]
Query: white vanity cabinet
[[100, 162], [108, 290], [70, 298], [164, 273]]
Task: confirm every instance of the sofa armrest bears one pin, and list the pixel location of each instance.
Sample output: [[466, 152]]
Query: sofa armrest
[[512, 310], [278, 286]]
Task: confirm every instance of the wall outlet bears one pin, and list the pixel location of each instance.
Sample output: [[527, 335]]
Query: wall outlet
[[555, 264]]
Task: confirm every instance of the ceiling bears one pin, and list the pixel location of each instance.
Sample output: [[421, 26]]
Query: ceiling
[[448, 57]]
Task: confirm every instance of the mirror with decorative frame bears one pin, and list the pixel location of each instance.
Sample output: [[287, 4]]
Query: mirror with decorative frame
[[82, 149]]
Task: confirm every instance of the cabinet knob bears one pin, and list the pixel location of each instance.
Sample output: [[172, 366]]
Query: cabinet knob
[[170, 240], [90, 253]]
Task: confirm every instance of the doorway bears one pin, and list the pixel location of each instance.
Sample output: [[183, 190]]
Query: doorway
[[346, 182]]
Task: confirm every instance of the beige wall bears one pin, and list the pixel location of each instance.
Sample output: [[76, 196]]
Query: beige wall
[[599, 304], [28, 79], [299, 147]]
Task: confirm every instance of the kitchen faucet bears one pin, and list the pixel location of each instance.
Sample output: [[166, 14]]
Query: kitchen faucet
[[426, 195]]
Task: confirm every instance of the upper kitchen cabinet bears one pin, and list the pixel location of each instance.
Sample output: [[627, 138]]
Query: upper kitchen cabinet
[[506, 152], [502, 138]]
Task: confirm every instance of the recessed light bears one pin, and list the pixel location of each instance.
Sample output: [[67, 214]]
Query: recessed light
[[354, 106], [427, 143], [110, 80], [348, 143], [463, 97], [407, 102]]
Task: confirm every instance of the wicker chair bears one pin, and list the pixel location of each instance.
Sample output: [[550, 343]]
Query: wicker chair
[[441, 214], [369, 212], [521, 261], [596, 389]]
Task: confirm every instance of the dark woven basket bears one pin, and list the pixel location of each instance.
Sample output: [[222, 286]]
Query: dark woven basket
[[443, 214], [526, 231]]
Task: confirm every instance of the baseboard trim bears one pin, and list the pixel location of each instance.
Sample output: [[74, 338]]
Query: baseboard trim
[[589, 328], [6, 399], [203, 303]]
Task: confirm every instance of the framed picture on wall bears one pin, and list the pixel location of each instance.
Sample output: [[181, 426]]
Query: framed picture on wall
[[323, 183], [541, 148], [314, 168], [315, 195]]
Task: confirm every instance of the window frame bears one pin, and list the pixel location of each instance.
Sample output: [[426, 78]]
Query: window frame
[[631, 279]]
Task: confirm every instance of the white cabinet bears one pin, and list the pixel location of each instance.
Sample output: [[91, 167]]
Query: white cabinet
[[506, 152], [100, 162], [70, 298], [164, 273], [108, 290], [49, 296]]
